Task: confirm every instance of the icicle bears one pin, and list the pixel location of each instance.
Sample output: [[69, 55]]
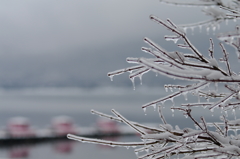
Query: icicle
[[185, 29], [127, 147], [172, 112], [177, 127], [235, 132], [166, 88], [147, 150], [156, 74], [171, 89], [185, 95], [212, 110], [140, 78], [226, 113], [214, 29], [200, 28], [144, 109], [172, 101], [231, 40], [136, 153], [132, 79], [208, 85], [154, 106], [162, 103], [111, 77], [207, 30], [226, 21], [144, 141], [207, 99]]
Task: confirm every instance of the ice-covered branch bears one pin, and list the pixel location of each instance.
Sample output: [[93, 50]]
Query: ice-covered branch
[[120, 120], [109, 143], [128, 122], [192, 3], [193, 87], [189, 65]]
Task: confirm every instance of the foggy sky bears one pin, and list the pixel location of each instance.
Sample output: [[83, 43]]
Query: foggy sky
[[76, 43]]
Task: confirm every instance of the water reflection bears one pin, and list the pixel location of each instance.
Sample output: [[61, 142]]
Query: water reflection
[[19, 152], [50, 142], [66, 149], [63, 147]]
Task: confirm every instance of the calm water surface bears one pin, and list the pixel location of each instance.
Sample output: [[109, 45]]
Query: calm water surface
[[41, 105]]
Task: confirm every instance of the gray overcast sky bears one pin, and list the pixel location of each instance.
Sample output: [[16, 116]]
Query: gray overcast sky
[[75, 43]]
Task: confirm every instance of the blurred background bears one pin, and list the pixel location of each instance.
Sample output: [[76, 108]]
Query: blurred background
[[55, 56]]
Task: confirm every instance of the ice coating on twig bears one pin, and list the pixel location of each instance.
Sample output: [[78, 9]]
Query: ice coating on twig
[[209, 78]]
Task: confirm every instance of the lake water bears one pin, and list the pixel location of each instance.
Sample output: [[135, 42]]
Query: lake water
[[41, 105]]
